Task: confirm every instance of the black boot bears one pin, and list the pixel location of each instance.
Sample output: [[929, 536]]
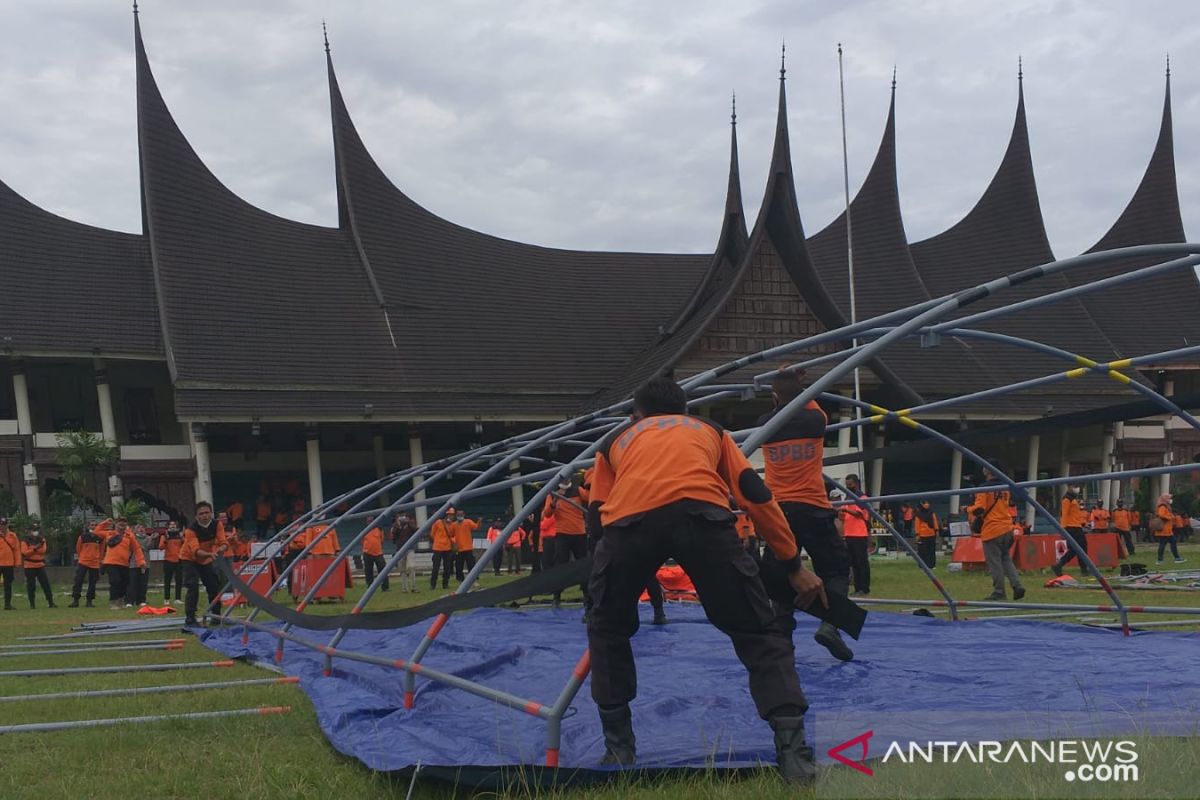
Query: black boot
[[620, 747], [828, 637], [31, 602], [90, 604], [792, 754], [74, 603], [660, 618]]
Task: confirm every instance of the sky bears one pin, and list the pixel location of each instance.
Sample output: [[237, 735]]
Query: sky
[[605, 125]]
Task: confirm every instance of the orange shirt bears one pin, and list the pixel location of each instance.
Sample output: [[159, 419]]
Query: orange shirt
[[33, 556], [235, 510], [171, 545], [667, 458], [262, 511], [854, 521], [1070, 514], [117, 553], [546, 532], [10, 550], [462, 531], [324, 540], [997, 521], [87, 549], [439, 534], [1164, 513], [238, 549], [1121, 519], [907, 515], [1100, 518], [568, 516], [923, 529], [192, 543], [1135, 517], [372, 543], [793, 458]]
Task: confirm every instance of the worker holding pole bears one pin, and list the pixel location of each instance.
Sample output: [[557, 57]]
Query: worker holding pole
[[203, 543]]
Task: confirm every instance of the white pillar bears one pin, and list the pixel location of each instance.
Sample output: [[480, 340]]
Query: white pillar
[[21, 393], [844, 415], [1106, 465], [416, 457], [312, 446], [877, 467], [955, 481], [518, 491], [199, 441], [1118, 448], [108, 422], [33, 497], [1165, 484], [1031, 474]]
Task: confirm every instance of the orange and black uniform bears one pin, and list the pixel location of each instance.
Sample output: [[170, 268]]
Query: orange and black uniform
[[372, 553], [1071, 518], [570, 530], [1166, 534], [239, 548], [443, 555], [10, 559], [661, 490], [463, 532], [33, 558], [926, 527], [171, 543], [120, 549], [87, 565], [997, 536], [198, 568], [793, 457], [1123, 522]]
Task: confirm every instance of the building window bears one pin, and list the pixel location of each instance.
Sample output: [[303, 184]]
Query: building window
[[141, 416]]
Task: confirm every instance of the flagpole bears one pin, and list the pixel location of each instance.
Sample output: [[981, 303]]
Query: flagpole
[[850, 255]]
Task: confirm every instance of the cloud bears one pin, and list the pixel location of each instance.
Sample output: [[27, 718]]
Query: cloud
[[604, 125]]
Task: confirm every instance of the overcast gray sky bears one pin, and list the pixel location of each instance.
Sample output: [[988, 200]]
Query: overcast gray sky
[[604, 125]]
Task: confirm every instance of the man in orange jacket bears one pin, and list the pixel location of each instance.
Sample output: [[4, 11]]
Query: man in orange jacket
[[203, 542], [171, 543], [462, 529], [926, 527], [661, 490], [997, 536], [443, 550], [372, 552], [87, 565], [10, 559], [1071, 518], [121, 549], [857, 533], [1122, 521], [33, 558]]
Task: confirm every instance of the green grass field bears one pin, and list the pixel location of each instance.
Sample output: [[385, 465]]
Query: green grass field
[[287, 756]]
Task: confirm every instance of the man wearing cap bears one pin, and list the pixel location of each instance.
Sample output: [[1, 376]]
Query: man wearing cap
[[33, 559], [10, 559], [996, 531]]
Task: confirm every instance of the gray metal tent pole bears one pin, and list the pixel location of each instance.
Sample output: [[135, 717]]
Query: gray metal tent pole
[[126, 668], [1092, 286], [469, 580], [937, 584], [140, 690], [982, 604], [39, 727], [74, 651], [1143, 472], [83, 646], [1080, 552]]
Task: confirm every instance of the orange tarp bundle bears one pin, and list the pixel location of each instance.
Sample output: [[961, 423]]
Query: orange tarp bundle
[[151, 611], [675, 583]]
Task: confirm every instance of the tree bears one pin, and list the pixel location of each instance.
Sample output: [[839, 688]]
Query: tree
[[80, 454], [134, 511]]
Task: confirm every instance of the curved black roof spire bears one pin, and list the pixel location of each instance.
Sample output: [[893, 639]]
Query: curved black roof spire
[[292, 308], [1004, 233], [1152, 216]]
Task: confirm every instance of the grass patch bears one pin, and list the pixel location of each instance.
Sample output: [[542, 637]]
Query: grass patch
[[287, 756]]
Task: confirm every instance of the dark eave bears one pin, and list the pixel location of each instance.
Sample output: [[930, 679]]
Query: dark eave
[[248, 299], [1171, 300], [1003, 234], [72, 288]]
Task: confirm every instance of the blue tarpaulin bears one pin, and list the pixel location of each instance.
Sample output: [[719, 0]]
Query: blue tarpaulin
[[913, 678]]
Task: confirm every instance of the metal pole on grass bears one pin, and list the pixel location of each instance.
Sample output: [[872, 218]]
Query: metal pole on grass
[[39, 727]]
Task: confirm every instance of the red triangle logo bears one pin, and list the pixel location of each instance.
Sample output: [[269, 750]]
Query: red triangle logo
[[862, 739]]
